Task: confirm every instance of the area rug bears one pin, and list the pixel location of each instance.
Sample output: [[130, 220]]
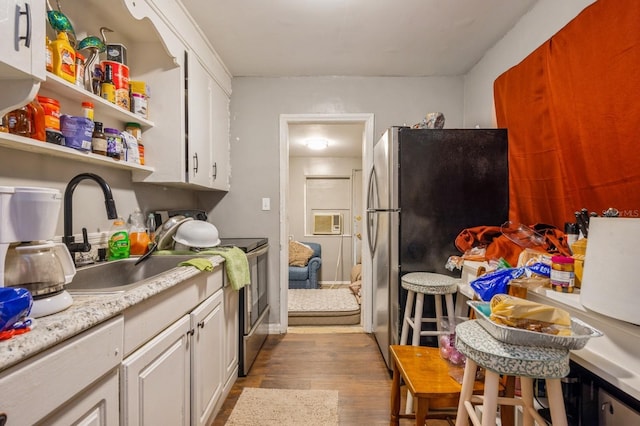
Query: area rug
[[284, 407], [323, 307]]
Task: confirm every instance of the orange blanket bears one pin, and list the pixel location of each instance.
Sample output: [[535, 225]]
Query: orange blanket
[[572, 110]]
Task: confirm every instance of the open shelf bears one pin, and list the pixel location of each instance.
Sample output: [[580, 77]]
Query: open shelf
[[8, 140]]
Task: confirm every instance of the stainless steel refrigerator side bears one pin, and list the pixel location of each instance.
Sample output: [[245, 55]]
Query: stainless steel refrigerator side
[[382, 215], [395, 310]]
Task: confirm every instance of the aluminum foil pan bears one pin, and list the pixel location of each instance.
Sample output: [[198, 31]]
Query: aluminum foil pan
[[581, 332]]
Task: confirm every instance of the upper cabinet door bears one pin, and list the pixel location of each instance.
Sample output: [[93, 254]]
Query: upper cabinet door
[[22, 51], [220, 149], [22, 27], [199, 118]]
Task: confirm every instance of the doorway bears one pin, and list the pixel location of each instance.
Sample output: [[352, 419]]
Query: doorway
[[290, 125]]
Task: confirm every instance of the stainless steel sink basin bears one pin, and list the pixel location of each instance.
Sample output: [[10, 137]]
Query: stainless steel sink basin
[[122, 275]]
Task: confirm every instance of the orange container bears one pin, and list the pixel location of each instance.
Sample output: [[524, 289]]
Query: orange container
[[51, 112], [139, 243], [120, 74]]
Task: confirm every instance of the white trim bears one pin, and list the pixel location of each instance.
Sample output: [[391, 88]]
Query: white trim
[[367, 162]]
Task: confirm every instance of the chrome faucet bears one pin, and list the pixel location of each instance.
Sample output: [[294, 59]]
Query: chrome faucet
[[68, 239]]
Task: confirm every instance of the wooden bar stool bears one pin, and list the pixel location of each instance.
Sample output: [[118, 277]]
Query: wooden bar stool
[[427, 378], [526, 362]]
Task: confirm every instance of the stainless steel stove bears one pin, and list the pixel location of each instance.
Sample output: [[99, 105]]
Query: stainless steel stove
[[254, 302]]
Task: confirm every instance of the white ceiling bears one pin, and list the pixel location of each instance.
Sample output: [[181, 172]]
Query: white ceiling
[[285, 38], [345, 139], [354, 37]]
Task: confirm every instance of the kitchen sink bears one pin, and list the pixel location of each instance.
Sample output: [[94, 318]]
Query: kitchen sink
[[121, 275]]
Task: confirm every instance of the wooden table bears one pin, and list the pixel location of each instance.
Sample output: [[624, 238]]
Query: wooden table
[[427, 377]]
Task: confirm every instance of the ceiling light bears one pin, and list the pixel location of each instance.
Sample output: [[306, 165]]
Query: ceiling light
[[316, 143]]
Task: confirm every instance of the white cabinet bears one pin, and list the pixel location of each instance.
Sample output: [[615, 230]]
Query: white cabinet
[[207, 369], [157, 34], [175, 372], [22, 51], [155, 379], [73, 381], [97, 405], [220, 147], [208, 127], [177, 377], [199, 136]]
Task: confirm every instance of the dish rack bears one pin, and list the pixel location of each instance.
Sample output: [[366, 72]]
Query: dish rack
[[580, 332]]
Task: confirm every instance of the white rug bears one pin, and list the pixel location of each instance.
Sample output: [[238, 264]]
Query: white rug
[[285, 407]]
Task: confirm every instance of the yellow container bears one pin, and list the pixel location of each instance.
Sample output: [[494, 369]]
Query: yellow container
[[64, 58]]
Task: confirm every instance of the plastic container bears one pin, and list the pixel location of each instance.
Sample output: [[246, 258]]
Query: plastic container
[[49, 55], [136, 130], [138, 234], [98, 140], [51, 112], [77, 132], [114, 143], [119, 244], [19, 122], [87, 110], [580, 331], [120, 79], [562, 274], [37, 120], [64, 58], [80, 64]]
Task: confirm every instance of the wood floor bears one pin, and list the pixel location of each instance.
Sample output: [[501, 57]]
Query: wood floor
[[348, 362]]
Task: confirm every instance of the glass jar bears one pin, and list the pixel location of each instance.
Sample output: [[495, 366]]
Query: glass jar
[[98, 140], [562, 274], [114, 143]]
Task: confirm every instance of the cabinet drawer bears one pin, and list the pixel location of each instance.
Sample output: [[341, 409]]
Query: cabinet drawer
[[34, 388]]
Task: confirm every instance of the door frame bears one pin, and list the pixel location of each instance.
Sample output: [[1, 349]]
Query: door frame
[[367, 120]]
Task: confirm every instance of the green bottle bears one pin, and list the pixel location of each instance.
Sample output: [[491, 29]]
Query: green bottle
[[119, 244]]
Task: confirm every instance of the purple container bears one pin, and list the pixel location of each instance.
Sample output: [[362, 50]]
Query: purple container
[[77, 132]]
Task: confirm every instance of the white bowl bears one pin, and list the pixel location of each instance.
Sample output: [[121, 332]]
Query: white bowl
[[197, 234]]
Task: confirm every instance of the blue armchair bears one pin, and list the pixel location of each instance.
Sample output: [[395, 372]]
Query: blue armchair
[[307, 276]]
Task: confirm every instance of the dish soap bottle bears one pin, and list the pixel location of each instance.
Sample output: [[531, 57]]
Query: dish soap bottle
[[138, 234], [119, 245]]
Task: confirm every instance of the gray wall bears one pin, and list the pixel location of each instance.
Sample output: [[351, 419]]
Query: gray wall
[[256, 105]]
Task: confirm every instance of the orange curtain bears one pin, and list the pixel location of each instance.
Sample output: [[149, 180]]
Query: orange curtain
[[572, 109]]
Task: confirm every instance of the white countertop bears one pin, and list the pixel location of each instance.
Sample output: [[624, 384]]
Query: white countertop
[[615, 357], [86, 312]]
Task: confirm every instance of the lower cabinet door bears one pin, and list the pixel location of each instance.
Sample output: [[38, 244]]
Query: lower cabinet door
[[207, 370], [155, 380], [97, 405]]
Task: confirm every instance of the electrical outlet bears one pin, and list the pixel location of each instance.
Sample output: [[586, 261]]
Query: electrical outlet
[[266, 204]]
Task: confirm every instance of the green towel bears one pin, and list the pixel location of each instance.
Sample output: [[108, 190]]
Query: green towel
[[236, 265], [201, 264]]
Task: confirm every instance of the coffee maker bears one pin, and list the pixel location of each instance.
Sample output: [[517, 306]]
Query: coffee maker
[[28, 257]]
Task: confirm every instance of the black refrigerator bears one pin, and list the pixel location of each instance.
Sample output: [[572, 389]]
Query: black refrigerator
[[427, 185]]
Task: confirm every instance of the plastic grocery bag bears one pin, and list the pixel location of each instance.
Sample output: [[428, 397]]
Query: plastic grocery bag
[[15, 303], [496, 282]]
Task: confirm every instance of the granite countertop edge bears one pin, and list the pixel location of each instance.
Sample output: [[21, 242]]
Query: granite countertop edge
[[87, 311]]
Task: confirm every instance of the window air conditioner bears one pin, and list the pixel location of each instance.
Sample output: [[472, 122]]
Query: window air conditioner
[[327, 223]]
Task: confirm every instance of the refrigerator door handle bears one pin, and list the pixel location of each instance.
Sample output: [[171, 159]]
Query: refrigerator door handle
[[371, 229]]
